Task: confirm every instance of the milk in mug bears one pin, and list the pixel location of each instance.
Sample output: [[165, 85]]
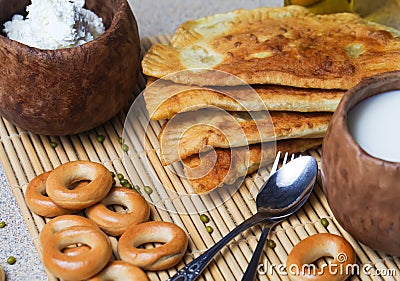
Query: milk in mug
[[374, 124]]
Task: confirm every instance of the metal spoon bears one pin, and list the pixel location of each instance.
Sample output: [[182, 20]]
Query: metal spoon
[[250, 273], [278, 198]]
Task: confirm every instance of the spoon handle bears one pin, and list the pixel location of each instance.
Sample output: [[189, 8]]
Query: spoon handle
[[193, 270], [251, 270]]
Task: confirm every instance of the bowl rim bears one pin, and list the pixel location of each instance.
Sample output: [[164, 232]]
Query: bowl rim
[[123, 5], [363, 90]]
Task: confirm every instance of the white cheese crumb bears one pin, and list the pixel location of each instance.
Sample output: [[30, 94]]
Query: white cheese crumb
[[55, 24]]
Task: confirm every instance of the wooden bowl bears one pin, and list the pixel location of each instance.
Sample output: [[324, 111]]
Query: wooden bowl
[[363, 191], [70, 90]]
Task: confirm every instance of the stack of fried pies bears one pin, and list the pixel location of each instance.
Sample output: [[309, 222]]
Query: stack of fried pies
[[237, 87]]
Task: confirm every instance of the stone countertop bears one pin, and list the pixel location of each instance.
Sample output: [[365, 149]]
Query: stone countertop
[[164, 16], [154, 18]]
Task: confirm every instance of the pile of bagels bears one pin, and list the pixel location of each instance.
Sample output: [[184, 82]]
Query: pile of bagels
[[75, 247]]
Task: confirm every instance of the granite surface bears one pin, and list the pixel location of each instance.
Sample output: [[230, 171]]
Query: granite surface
[[163, 17], [154, 18], [15, 240]]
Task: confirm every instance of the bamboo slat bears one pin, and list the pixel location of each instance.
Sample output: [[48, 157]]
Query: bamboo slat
[[25, 155]]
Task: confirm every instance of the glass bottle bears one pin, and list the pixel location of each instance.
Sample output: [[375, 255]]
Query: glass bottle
[[382, 11]]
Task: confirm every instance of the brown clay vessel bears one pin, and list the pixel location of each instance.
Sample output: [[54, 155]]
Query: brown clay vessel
[[363, 191], [69, 90]]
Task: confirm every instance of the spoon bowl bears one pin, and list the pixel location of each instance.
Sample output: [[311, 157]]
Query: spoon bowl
[[282, 195], [284, 190], [297, 182]]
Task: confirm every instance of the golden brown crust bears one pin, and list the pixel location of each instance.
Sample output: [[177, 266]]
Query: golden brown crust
[[285, 46], [38, 202], [72, 245], [115, 223], [174, 246], [164, 98], [191, 132], [65, 175], [77, 267], [122, 271], [319, 246], [62, 222], [247, 160]]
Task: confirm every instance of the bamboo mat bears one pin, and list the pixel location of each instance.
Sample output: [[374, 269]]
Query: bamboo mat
[[25, 155]]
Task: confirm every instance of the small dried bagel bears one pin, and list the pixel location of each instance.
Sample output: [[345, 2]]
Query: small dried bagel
[[318, 246], [115, 223], [38, 201], [121, 271], [162, 257], [78, 266], [80, 197], [61, 222]]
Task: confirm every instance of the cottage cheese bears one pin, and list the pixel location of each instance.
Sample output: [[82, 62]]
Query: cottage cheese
[[54, 24]]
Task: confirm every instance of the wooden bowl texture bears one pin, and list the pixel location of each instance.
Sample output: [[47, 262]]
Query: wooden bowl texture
[[363, 191], [70, 90]]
